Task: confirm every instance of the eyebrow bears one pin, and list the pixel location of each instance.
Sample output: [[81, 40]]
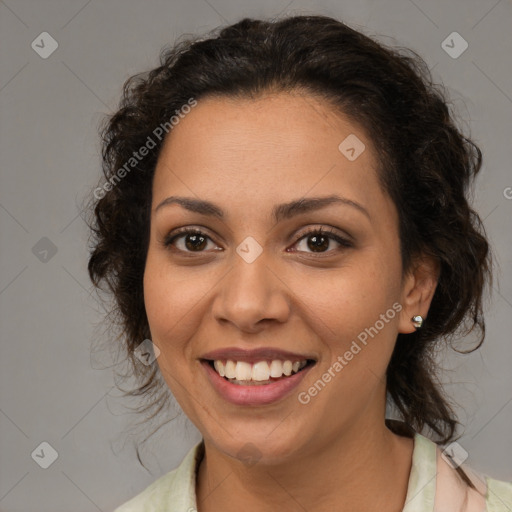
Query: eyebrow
[[279, 212]]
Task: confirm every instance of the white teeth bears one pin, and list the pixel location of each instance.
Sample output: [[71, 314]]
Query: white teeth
[[229, 369], [276, 368], [243, 371], [261, 371], [287, 368], [219, 366]]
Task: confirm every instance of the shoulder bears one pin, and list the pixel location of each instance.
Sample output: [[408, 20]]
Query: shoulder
[[174, 491], [150, 499], [448, 484], [499, 495]]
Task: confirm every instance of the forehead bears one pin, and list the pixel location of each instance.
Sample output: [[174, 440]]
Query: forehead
[[270, 149]]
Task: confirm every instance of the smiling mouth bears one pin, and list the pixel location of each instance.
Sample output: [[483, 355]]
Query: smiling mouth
[[263, 372]]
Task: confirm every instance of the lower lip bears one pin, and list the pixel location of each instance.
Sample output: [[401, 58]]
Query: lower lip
[[254, 395]]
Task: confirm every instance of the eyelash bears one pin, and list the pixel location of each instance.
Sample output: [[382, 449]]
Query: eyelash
[[330, 233]]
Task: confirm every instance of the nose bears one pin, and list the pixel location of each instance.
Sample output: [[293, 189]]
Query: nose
[[251, 295]]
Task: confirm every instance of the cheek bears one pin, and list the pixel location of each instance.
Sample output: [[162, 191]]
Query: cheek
[[356, 315], [353, 298], [171, 304]]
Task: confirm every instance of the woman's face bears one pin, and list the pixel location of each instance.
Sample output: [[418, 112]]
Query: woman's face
[[259, 285]]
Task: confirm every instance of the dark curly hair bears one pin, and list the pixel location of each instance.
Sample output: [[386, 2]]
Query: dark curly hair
[[426, 165]]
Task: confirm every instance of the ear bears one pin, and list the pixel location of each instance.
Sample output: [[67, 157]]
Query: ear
[[418, 290]]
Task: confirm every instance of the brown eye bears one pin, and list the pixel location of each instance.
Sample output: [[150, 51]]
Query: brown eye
[[318, 240], [195, 242], [188, 240], [318, 243]]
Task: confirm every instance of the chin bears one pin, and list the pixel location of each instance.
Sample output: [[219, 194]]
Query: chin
[[258, 447]]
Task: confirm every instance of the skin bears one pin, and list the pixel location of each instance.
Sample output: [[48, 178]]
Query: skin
[[246, 156]]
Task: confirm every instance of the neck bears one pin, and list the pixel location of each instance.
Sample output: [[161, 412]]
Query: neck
[[365, 468]]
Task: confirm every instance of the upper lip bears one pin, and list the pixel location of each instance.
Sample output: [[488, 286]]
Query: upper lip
[[254, 355]]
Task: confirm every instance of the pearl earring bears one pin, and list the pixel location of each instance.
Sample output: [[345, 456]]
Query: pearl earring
[[417, 321]]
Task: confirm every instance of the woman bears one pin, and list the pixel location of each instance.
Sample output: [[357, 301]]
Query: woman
[[284, 217]]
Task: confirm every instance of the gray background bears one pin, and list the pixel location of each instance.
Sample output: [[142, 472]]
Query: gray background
[[51, 389]]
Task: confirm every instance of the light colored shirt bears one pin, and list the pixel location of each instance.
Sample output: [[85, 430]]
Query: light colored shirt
[[434, 486]]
